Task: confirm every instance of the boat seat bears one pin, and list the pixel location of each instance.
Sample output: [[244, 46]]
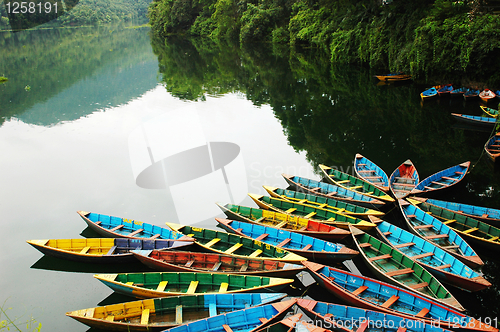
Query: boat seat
[[136, 232], [427, 254], [366, 171], [437, 236], [116, 228], [256, 253], [328, 278], [447, 222], [485, 215], [445, 266], [301, 201], [411, 216], [307, 247], [145, 317], [212, 242], [98, 222], [281, 224], [260, 219], [355, 187], [192, 287], [302, 229], [423, 226], [376, 258], [448, 178], [284, 242], [309, 215], [342, 181], [359, 290], [263, 320], [290, 210], [212, 309], [129, 283], [363, 326], [390, 301], [110, 318], [85, 250], [422, 312], [155, 236], [439, 183], [330, 194], [418, 286], [227, 328], [401, 329], [238, 230], [189, 263], [365, 245], [261, 237], [322, 205], [459, 173], [387, 233], [402, 245], [216, 266], [314, 189], [223, 287], [235, 247], [453, 246], [162, 285], [399, 272], [178, 314], [470, 230], [244, 267], [111, 251], [331, 219], [493, 238]]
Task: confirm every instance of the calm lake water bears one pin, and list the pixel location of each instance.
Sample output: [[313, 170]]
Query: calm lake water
[[110, 121]]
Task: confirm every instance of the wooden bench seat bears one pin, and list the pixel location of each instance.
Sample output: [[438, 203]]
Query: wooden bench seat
[[359, 290], [399, 272], [365, 245], [192, 287], [445, 266], [307, 247], [418, 286], [212, 242], [422, 312], [448, 178], [227, 328], [309, 215], [216, 266], [447, 222], [244, 267], [261, 237], [116, 228], [235, 247], [284, 242], [403, 245], [423, 226], [111, 251], [145, 317], [161, 286], [437, 236], [290, 210], [178, 314], [470, 230], [390, 301], [84, 250], [223, 287], [426, 254], [136, 232], [155, 236], [376, 258], [281, 224], [256, 253]]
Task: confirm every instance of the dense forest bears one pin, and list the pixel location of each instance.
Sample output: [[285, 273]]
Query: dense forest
[[422, 37]]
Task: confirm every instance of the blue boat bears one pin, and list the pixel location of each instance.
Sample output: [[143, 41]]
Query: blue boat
[[429, 93], [471, 94], [245, 320], [328, 190], [404, 179], [475, 120], [485, 214], [344, 318], [458, 92], [434, 230], [367, 170], [442, 179], [110, 226], [445, 90], [441, 264], [492, 147], [373, 294], [306, 246]]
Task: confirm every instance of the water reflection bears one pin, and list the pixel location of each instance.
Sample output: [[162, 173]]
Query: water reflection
[[58, 264]]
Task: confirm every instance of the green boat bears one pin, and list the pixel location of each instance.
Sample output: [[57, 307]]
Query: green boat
[[392, 266], [236, 245], [323, 202], [353, 183], [308, 211]]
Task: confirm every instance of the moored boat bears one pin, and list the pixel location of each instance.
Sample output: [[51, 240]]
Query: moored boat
[[435, 231], [102, 250], [310, 212], [459, 92], [428, 93], [331, 191], [109, 226], [492, 147], [486, 95], [441, 264], [284, 221], [393, 77], [353, 183], [303, 245], [161, 284], [445, 90], [471, 94], [369, 293], [475, 120], [404, 179], [186, 261], [442, 179], [235, 245], [367, 170], [159, 314], [393, 266], [490, 111]]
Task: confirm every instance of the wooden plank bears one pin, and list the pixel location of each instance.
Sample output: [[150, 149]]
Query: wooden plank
[[447, 222], [401, 329], [290, 210], [365, 245], [342, 181], [212, 242], [399, 272], [244, 267], [493, 238], [116, 228], [192, 287], [110, 318], [423, 226], [355, 187], [189, 263], [178, 314], [155, 236], [309, 215], [111, 251], [256, 253], [448, 178], [309, 246], [223, 287], [145, 317], [227, 328], [470, 230], [261, 237], [445, 266], [376, 258], [422, 312], [212, 309], [235, 247], [387, 233], [363, 326], [418, 286], [437, 236], [84, 250], [453, 246], [136, 232], [216, 266], [284, 242], [402, 245], [162, 285], [390, 301], [359, 290], [281, 224], [426, 254]]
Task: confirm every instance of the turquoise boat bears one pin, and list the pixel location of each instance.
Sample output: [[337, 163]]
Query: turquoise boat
[[476, 120], [441, 264], [246, 320], [331, 191], [485, 214], [369, 171], [303, 245], [345, 318], [442, 179], [404, 179], [109, 226], [435, 231]]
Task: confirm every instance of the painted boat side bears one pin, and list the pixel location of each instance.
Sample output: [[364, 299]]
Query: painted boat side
[[403, 179], [475, 120], [442, 179]]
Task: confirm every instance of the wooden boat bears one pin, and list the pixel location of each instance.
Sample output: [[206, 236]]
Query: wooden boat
[[475, 120], [490, 111], [458, 92], [471, 94], [166, 312], [435, 231], [441, 264], [109, 226], [324, 202], [473, 230], [235, 245], [185, 261], [404, 179], [353, 183], [393, 77], [306, 246], [445, 90], [252, 319], [284, 221], [486, 95], [367, 170], [101, 250], [492, 147], [442, 179], [485, 214], [329, 190], [308, 211], [392, 266], [339, 317], [161, 284], [287, 324], [373, 294], [429, 93]]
